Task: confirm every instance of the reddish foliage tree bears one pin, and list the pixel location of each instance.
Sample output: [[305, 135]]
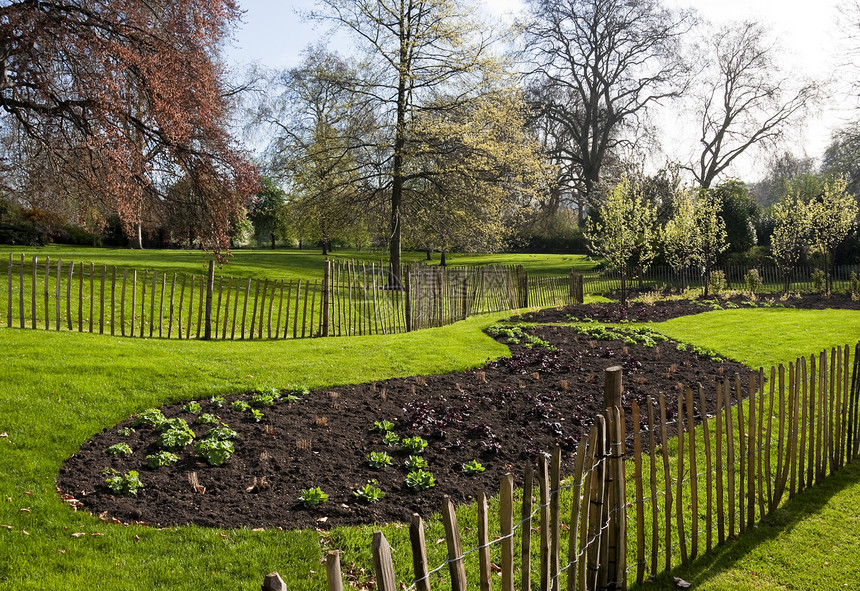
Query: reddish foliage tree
[[118, 99]]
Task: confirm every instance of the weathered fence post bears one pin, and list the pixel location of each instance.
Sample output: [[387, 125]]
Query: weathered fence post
[[334, 578], [613, 563], [326, 286], [576, 286], [274, 582], [408, 300], [210, 287], [522, 287]]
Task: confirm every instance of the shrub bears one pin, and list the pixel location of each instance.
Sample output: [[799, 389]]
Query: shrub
[[753, 281], [818, 278], [717, 282]]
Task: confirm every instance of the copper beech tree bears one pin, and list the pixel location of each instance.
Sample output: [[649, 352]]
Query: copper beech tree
[[107, 105]]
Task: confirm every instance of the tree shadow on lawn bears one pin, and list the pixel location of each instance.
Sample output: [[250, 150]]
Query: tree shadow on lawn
[[726, 557]]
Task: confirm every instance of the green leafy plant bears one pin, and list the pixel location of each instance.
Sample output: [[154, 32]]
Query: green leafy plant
[[473, 467], [717, 282], [218, 401], [390, 438], [240, 405], [177, 437], [262, 400], [216, 451], [369, 493], [379, 459], [256, 414], [125, 431], [162, 458], [312, 496], [207, 419], [222, 433], [420, 480], [413, 445], [127, 484], [382, 426], [192, 407], [151, 417], [415, 462], [293, 392], [119, 449]]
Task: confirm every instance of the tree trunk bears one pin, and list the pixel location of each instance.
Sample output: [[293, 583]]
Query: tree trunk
[[272, 234], [442, 261], [429, 257], [397, 160], [137, 239], [623, 287]]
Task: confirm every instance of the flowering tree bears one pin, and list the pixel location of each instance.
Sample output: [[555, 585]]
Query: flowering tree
[[832, 216], [624, 230], [107, 103]]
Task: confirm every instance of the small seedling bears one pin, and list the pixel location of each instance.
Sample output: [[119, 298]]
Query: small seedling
[[127, 485], [413, 445], [390, 438], [162, 458], [379, 459], [420, 480], [125, 431], [119, 449], [312, 496], [258, 415], [192, 407], [152, 418], [240, 405], [415, 462], [369, 493], [215, 451], [218, 401], [473, 467], [382, 426]]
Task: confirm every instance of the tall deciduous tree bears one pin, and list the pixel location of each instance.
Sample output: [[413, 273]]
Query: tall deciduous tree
[[321, 135], [124, 97], [601, 64], [745, 99], [842, 156], [624, 230], [415, 51]]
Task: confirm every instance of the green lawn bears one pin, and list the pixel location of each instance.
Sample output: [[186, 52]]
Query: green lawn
[[58, 389], [279, 263]]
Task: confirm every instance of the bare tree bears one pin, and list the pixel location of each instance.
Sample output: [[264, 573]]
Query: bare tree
[[745, 99], [602, 64]]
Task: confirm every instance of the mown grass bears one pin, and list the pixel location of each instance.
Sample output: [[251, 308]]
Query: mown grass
[[57, 389], [277, 264]]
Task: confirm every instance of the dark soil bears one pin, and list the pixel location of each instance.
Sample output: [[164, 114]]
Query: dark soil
[[502, 415], [665, 310]]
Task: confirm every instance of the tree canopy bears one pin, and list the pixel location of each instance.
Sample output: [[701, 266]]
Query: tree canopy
[[106, 104]]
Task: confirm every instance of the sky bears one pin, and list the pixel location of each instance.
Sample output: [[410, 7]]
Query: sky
[[273, 35]]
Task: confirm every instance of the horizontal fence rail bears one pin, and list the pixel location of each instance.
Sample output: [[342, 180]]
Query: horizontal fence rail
[[351, 299], [773, 279], [642, 503]]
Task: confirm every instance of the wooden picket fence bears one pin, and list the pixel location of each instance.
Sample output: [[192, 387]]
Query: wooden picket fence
[[800, 279], [634, 502], [351, 299]]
